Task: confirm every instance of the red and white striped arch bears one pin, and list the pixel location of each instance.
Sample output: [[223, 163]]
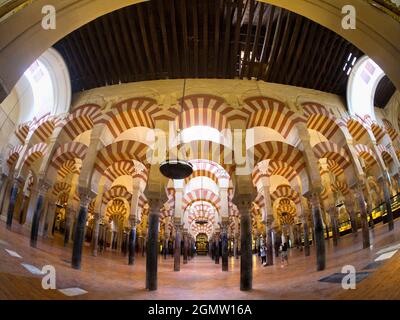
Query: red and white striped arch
[[332, 151], [126, 168], [81, 119], [119, 151], [320, 119], [376, 129], [357, 129], [116, 192], [385, 154], [68, 151], [203, 110], [43, 128], [390, 129], [285, 191], [263, 111], [135, 112], [67, 168], [366, 153], [34, 153], [61, 187], [22, 130], [13, 156], [279, 151], [340, 186], [198, 195], [210, 169]]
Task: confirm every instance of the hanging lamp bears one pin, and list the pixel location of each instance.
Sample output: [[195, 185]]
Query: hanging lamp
[[177, 169]]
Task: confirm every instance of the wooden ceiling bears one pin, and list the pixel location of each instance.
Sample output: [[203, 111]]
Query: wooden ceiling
[[169, 39]]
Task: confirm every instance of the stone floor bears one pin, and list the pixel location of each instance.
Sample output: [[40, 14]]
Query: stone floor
[[109, 277]]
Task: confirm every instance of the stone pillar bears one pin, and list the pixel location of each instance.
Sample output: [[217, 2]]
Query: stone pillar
[[224, 243], [350, 211], [95, 234], [217, 250], [13, 198], [152, 243], [358, 188], [177, 246], [86, 196], [384, 185], [132, 242], [246, 261], [3, 190], [235, 246], [335, 230], [185, 246], [318, 230], [51, 215], [69, 220], [306, 235], [43, 188], [24, 204]]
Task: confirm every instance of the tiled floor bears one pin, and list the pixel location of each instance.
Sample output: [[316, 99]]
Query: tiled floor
[[109, 277]]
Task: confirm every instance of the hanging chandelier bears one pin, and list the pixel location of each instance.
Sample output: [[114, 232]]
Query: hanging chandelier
[[177, 169]]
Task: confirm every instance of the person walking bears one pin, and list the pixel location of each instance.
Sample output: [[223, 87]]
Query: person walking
[[284, 254], [263, 254]]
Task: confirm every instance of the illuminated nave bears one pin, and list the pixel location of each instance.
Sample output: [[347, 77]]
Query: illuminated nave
[[290, 130]]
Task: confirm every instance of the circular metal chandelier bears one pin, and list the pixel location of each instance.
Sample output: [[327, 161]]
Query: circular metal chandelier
[[177, 169]]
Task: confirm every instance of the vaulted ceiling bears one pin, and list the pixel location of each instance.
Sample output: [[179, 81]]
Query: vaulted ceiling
[[168, 39]]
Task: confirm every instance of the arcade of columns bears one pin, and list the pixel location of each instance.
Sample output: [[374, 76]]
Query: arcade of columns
[[93, 172]]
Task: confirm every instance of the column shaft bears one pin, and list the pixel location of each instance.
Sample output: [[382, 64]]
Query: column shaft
[[152, 251]]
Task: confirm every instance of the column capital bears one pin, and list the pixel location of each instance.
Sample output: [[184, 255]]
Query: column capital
[[86, 195], [43, 187], [243, 202]]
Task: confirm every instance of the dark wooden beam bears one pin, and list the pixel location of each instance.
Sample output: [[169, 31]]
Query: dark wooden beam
[[177, 63], [164, 34], [147, 50], [217, 35], [97, 55], [248, 38], [274, 46], [111, 46], [256, 41], [127, 45], [322, 72], [127, 72], [185, 38], [281, 76], [151, 8], [90, 57], [205, 39], [235, 60], [279, 61], [227, 36], [267, 37], [195, 39], [130, 17], [299, 52]]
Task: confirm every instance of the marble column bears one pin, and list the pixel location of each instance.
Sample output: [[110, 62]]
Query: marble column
[[70, 214], [43, 188], [152, 243], [318, 230], [224, 243], [358, 189], [246, 261], [22, 210], [50, 219], [335, 230], [18, 183], [177, 245], [132, 242], [217, 252], [86, 196], [3, 190], [95, 234], [384, 185], [306, 236], [350, 211], [235, 247], [185, 246]]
